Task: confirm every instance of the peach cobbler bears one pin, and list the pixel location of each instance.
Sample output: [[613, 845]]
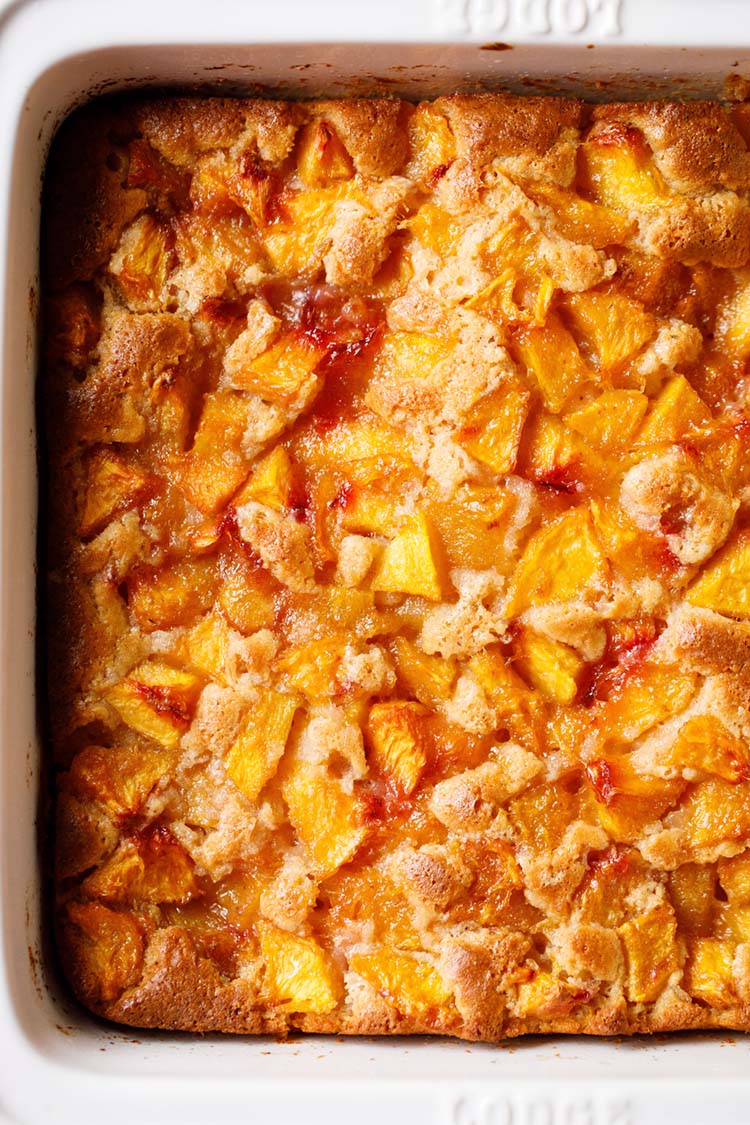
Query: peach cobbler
[[397, 556]]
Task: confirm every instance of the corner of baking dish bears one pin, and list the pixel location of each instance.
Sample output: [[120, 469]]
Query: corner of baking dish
[[57, 1063]]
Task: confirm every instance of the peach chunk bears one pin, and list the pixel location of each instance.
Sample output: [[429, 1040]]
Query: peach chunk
[[157, 700], [724, 585], [708, 972], [216, 467], [106, 948], [271, 482], [408, 981], [330, 821], [321, 156], [651, 953], [300, 977], [549, 666], [431, 144], [492, 430], [283, 373], [120, 777], [429, 678], [173, 594], [256, 752], [705, 744], [151, 867], [397, 742], [551, 356], [560, 562], [112, 485], [613, 327], [412, 563]]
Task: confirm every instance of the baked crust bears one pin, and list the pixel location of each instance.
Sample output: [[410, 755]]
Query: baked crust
[[397, 622]]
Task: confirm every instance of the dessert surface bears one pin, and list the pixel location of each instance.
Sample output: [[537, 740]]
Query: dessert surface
[[398, 564]]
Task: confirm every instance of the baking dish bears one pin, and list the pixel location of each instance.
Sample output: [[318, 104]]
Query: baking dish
[[58, 1063]]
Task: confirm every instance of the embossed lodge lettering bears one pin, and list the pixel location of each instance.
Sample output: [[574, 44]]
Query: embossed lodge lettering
[[540, 1111], [530, 17]]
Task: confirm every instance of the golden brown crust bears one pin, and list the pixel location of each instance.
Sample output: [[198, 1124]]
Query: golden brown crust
[[397, 627], [538, 131], [133, 351], [705, 162], [190, 992], [372, 131], [697, 145], [181, 128], [708, 642]]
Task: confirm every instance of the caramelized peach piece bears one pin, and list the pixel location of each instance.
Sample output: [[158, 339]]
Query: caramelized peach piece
[[431, 144], [610, 421], [647, 696], [410, 358], [724, 584], [406, 980], [271, 482], [677, 413], [151, 868], [312, 668], [157, 700], [613, 327], [397, 742], [545, 996], [246, 600], [562, 561], [705, 744], [733, 319], [708, 972], [299, 975], [715, 811], [121, 777], [502, 685], [322, 156], [372, 511], [618, 165], [436, 228], [412, 563], [112, 484], [255, 754], [692, 888], [627, 801], [515, 299], [295, 243], [734, 876], [429, 678], [283, 373], [142, 262], [552, 358], [550, 667], [363, 442], [542, 813], [174, 594], [579, 219], [651, 953], [207, 647], [474, 526], [106, 948], [492, 430], [331, 822], [215, 467], [557, 457]]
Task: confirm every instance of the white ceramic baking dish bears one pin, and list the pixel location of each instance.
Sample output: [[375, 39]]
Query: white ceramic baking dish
[[56, 1063]]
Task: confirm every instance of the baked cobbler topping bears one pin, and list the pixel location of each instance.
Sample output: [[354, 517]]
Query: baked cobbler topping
[[399, 563]]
